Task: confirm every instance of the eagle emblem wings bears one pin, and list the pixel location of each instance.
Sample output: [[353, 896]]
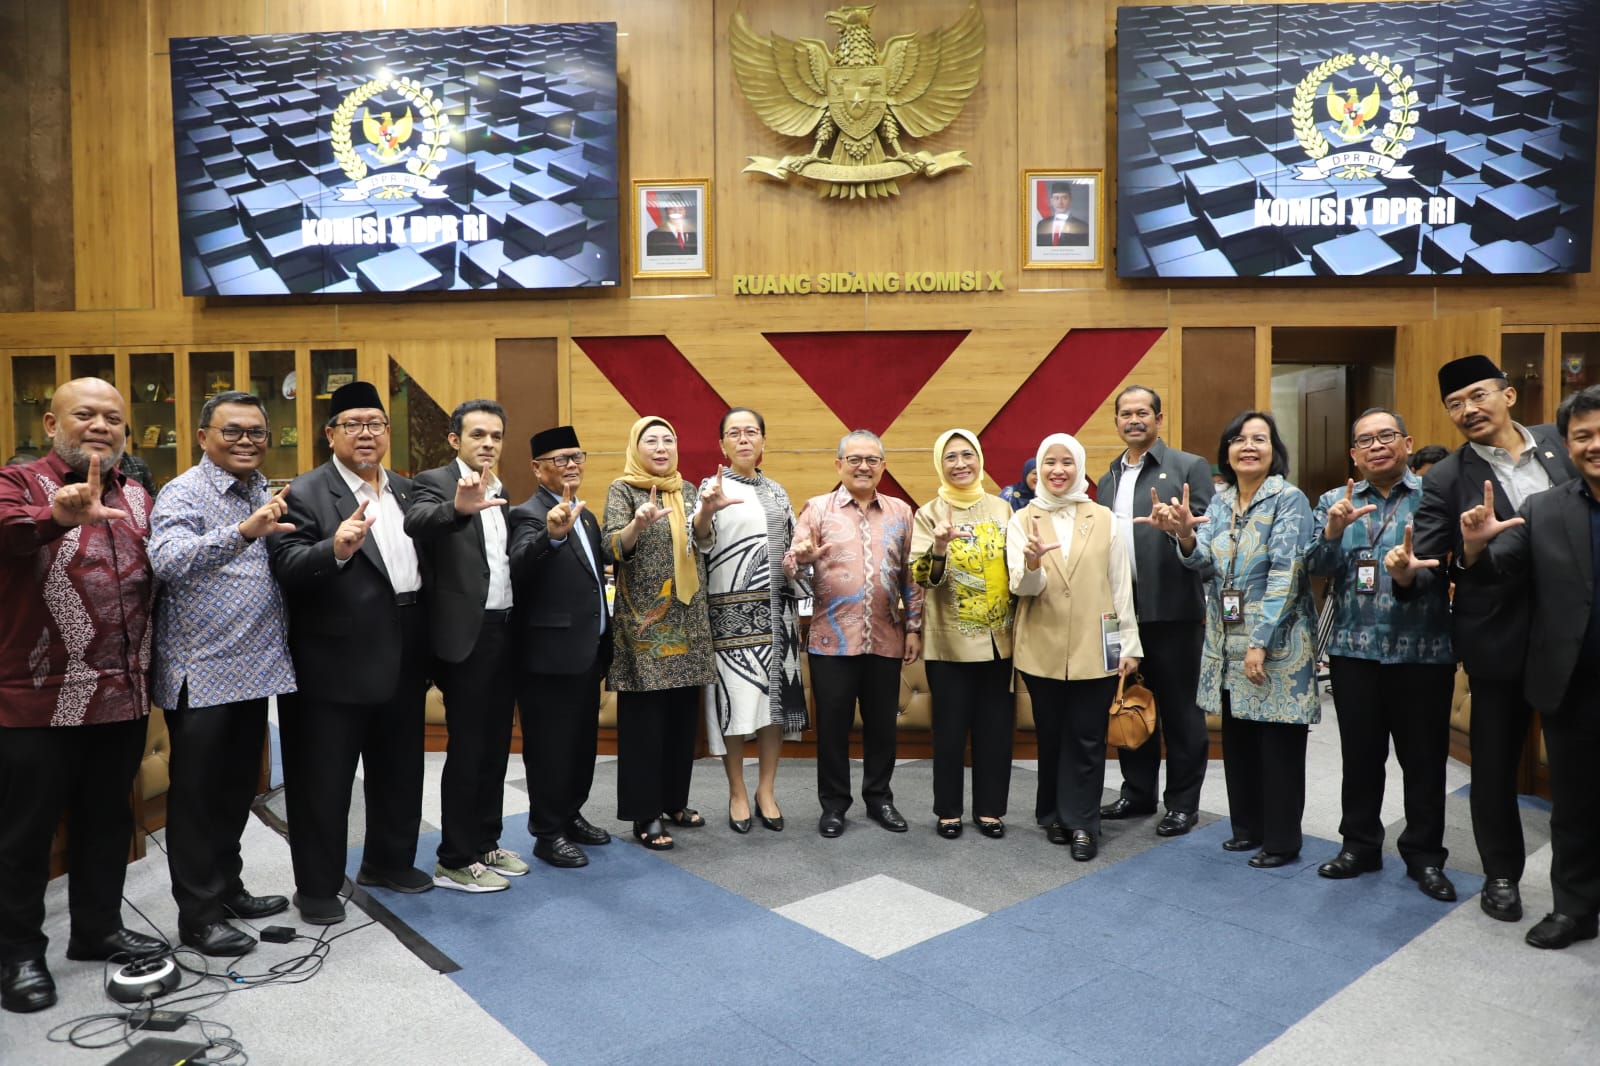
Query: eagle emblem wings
[[1351, 114], [386, 135], [857, 101]]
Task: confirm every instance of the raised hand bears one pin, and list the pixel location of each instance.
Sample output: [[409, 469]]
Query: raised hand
[[352, 533], [1158, 513], [268, 518], [649, 512], [1479, 525], [472, 493], [806, 551], [1037, 548], [944, 528], [713, 498], [81, 504], [1178, 519], [1402, 563], [1344, 512], [560, 519]]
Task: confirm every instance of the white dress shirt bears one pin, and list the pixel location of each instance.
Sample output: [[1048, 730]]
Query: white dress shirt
[[1127, 482], [388, 530], [494, 543]]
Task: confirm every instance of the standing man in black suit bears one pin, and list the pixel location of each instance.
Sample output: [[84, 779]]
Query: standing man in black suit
[[1168, 598], [1553, 546], [459, 528], [351, 581], [563, 642], [1489, 619]]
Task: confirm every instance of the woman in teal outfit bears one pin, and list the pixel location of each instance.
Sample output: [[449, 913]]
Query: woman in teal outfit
[[1258, 670]]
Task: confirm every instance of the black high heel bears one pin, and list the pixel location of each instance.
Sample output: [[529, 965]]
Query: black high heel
[[738, 825], [774, 824]]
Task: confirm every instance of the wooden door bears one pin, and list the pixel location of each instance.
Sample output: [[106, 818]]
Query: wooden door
[[1420, 349], [1324, 430]]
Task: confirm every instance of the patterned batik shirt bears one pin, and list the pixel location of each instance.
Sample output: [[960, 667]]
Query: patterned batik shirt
[[220, 622]]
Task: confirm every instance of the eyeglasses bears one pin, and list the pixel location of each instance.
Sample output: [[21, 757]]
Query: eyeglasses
[[563, 461], [1367, 440], [1477, 398], [355, 429], [747, 433], [231, 434], [960, 457], [871, 462], [658, 442], [1258, 440]]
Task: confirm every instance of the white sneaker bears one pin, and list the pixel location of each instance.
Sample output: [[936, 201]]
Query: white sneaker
[[473, 878]]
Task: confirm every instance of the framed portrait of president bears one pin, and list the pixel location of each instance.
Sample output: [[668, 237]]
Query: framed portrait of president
[[671, 231], [1063, 219]]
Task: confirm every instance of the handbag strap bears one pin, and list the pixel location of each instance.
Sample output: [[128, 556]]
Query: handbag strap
[[1120, 679]]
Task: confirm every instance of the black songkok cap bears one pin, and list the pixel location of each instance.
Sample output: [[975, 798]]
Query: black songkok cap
[[1060, 186], [357, 394], [1468, 370], [548, 440]]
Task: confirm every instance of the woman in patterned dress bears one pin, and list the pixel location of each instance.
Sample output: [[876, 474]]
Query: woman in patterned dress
[[752, 605]]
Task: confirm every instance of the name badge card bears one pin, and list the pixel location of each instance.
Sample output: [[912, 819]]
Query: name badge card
[[1232, 605], [1366, 576]]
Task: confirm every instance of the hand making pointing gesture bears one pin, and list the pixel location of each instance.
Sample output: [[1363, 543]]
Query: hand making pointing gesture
[[560, 519], [268, 518], [1479, 525], [649, 513], [1344, 512], [944, 529], [472, 492], [352, 533], [1402, 563], [1035, 551], [80, 504], [713, 498]]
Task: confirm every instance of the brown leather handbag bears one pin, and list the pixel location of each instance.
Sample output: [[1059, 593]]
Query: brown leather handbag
[[1133, 714]]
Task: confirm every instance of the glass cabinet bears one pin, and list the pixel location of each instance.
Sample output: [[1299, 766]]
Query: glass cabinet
[[152, 409], [210, 373], [1580, 359], [273, 379], [33, 383], [330, 368]]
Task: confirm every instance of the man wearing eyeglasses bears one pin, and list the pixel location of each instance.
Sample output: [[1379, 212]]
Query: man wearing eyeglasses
[[351, 579], [1489, 619], [1390, 658], [866, 622], [221, 652], [562, 633]]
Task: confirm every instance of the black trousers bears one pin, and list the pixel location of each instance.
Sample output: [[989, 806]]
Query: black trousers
[[837, 683], [560, 724], [1411, 703], [655, 751], [478, 703], [1171, 669], [1572, 739], [215, 764], [1071, 717], [1265, 767], [972, 699], [84, 771], [1500, 720]]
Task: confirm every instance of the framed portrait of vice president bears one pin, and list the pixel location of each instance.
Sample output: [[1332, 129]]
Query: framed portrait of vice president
[[671, 230], [1063, 219]]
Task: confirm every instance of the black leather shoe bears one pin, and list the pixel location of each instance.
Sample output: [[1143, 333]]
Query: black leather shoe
[[831, 824], [1271, 860], [1057, 833], [993, 828], [1556, 931], [885, 815], [219, 939], [1501, 899], [1349, 864], [1432, 881], [1176, 823], [123, 944], [738, 825], [411, 880], [26, 986], [580, 831], [949, 830], [1124, 808], [244, 905], [1083, 846], [774, 824], [1240, 844], [320, 910], [559, 851]]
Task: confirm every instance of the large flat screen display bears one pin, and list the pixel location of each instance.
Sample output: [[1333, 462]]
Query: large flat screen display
[[479, 157], [1356, 139]]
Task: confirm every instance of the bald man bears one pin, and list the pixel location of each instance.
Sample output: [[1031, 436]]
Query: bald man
[[74, 685]]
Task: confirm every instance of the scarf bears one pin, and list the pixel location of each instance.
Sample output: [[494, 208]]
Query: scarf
[[1078, 491], [958, 497], [669, 494]]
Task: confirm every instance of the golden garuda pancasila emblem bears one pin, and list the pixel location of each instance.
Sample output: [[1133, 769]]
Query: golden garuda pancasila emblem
[[857, 101]]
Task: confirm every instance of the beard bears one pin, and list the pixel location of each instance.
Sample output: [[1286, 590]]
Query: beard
[[77, 459]]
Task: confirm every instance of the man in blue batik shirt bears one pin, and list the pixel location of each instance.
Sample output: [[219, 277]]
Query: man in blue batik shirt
[[1391, 663], [221, 650]]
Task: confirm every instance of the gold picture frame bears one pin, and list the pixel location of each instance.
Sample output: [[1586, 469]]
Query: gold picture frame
[[1057, 239], [662, 249]]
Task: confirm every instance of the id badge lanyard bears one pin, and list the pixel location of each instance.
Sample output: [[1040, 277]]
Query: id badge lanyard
[[1366, 562], [1232, 597]]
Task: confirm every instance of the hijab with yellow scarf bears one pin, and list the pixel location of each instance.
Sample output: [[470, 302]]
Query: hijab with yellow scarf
[[669, 494], [954, 495]]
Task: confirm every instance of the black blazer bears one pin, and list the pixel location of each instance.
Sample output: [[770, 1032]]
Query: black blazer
[[1488, 618], [558, 606], [1165, 590], [1550, 554], [454, 562], [344, 627]]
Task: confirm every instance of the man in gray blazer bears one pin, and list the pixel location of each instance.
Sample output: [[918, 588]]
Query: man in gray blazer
[[1553, 544], [1167, 596]]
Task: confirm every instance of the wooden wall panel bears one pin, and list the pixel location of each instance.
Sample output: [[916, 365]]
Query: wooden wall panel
[[204, 18], [36, 260], [1420, 348]]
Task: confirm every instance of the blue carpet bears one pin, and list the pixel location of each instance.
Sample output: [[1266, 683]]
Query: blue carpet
[[1180, 954]]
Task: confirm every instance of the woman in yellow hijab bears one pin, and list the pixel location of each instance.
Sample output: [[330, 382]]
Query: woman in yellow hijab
[[660, 632]]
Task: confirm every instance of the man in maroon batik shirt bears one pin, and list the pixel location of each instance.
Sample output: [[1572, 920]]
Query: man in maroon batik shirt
[[74, 685]]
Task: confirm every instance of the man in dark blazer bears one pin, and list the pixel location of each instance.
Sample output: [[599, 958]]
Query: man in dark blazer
[[1061, 228], [351, 580], [1168, 598], [563, 631], [459, 527], [1489, 620], [1553, 548]]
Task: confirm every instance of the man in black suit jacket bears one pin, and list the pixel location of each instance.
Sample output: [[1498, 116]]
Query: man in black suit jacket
[[459, 527], [563, 626], [1489, 620], [1061, 228], [676, 235], [1168, 598], [1553, 546], [351, 580]]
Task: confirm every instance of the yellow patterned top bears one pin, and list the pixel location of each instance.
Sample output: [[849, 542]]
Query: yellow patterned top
[[968, 613]]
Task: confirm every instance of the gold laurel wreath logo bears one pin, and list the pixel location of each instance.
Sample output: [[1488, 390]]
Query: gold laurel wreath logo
[[1396, 131], [435, 131]]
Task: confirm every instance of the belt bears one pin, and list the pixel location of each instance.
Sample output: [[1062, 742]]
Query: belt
[[404, 599], [499, 614]]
